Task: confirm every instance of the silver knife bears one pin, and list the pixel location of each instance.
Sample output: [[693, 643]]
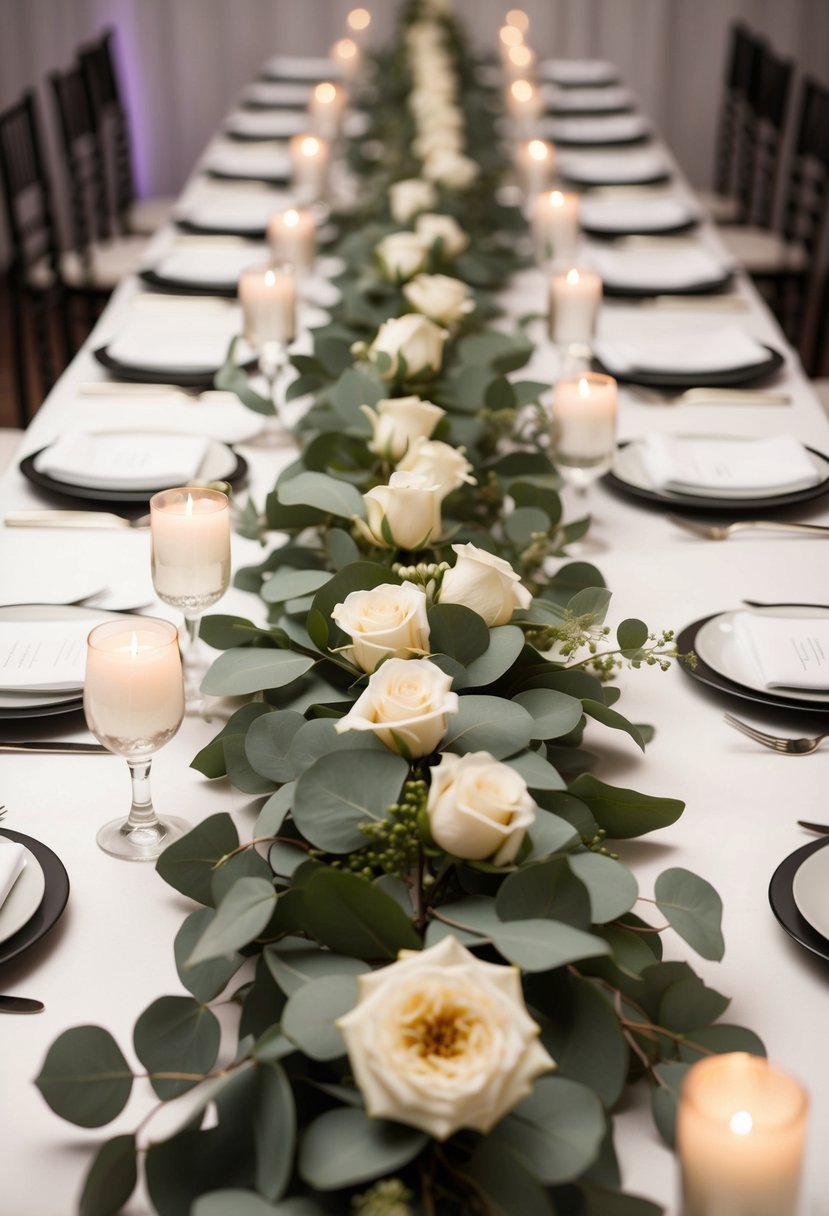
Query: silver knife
[[72, 519], [823, 828], [56, 749]]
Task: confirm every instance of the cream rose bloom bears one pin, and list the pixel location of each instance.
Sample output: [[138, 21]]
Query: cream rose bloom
[[408, 700], [398, 421], [389, 620], [439, 463], [451, 169], [440, 297], [409, 196], [412, 337], [410, 508], [485, 583], [401, 255], [441, 1040], [435, 140], [479, 808], [432, 227]]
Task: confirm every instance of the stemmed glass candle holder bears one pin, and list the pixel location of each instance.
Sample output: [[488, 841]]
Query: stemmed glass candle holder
[[583, 434], [555, 226], [524, 106], [310, 162], [134, 702], [575, 299], [292, 237], [268, 298], [740, 1132], [190, 540], [535, 161], [346, 55], [326, 109]]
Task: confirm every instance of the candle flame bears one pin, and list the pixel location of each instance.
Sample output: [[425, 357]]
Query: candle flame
[[291, 218], [510, 36], [346, 48], [270, 281], [556, 198], [188, 506], [573, 277], [537, 149], [359, 19], [518, 18], [133, 644], [310, 146], [584, 387], [522, 90], [741, 1123], [326, 92], [520, 56]]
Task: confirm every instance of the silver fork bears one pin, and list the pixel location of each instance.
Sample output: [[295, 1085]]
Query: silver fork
[[723, 531], [777, 743]]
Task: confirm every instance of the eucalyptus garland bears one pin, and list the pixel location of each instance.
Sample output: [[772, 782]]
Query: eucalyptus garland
[[441, 979]]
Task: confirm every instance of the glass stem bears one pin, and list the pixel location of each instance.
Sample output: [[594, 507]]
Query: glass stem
[[142, 812], [192, 654]]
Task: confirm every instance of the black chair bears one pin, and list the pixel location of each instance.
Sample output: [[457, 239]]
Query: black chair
[[768, 99], [732, 163], [39, 291], [132, 215]]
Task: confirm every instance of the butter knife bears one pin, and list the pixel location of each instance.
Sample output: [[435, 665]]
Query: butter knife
[[823, 828], [72, 519], [55, 749], [20, 1004]]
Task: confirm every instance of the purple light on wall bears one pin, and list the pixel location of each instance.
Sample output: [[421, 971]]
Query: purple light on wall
[[128, 64]]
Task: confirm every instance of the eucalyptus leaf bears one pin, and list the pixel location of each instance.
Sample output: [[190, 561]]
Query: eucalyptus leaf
[[525, 523], [545, 889], [288, 584], [246, 864], [505, 645], [689, 1005], [458, 632], [632, 634], [312, 1010], [85, 1078], [274, 1130], [553, 713], [327, 494], [111, 1178], [319, 738], [612, 888], [693, 908], [599, 1201], [587, 1042], [294, 967], [549, 834], [268, 744], [344, 1147], [206, 980], [343, 790], [247, 1203], [176, 1034], [623, 812], [211, 760], [240, 918], [273, 813], [665, 1098], [542, 945], [187, 864], [536, 771], [352, 917], [609, 717], [557, 1130], [240, 671], [508, 1186], [488, 724], [720, 1038]]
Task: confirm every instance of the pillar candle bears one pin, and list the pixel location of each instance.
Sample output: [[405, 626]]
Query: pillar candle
[[190, 540], [519, 61], [133, 690], [310, 156], [535, 161], [268, 298], [555, 226], [740, 1133], [575, 296], [326, 108], [524, 106], [292, 238], [584, 420], [358, 22], [346, 55], [508, 37]]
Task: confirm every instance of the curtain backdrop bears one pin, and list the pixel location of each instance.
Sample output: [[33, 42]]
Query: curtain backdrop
[[184, 61]]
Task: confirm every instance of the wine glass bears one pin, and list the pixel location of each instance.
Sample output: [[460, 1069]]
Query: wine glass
[[583, 436], [268, 298], [134, 702], [575, 299], [190, 547]]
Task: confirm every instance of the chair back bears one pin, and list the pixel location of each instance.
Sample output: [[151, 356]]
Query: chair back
[[82, 160], [768, 99], [97, 60], [741, 68], [806, 218]]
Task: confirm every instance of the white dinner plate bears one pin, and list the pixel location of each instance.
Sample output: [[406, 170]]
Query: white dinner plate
[[619, 216], [718, 645], [218, 464], [608, 129], [278, 93], [267, 124], [573, 73], [586, 100], [811, 890], [297, 67], [25, 897]]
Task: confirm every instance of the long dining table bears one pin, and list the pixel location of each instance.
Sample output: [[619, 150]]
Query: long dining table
[[111, 954]]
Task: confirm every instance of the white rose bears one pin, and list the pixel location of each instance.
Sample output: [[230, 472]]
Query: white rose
[[398, 421], [386, 620], [432, 227], [479, 808], [438, 140], [408, 197], [439, 463], [444, 299], [409, 507], [414, 338], [441, 1040], [451, 169], [485, 583], [408, 700], [401, 255]]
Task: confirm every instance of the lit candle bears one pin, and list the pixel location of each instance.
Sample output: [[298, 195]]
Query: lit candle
[[535, 161], [133, 690], [358, 21], [740, 1133], [519, 61], [309, 160], [575, 297], [555, 225], [346, 54], [584, 421], [524, 104], [325, 109], [292, 237], [190, 541], [268, 298], [509, 35], [518, 18]]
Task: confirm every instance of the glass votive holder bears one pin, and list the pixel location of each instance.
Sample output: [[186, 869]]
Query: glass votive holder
[[575, 299], [292, 237], [555, 227], [310, 162]]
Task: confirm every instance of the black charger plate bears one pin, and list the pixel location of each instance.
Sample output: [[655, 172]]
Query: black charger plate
[[781, 898], [145, 375], [52, 904], [722, 379], [269, 179], [180, 288], [703, 287], [253, 234]]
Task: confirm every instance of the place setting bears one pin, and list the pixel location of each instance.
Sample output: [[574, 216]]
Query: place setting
[[610, 99], [203, 265], [295, 68], [799, 895], [718, 358], [634, 167], [276, 95], [226, 209], [261, 161], [578, 73], [612, 215], [34, 889], [587, 130], [675, 269]]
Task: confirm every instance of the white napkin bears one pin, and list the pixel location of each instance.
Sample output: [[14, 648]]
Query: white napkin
[[634, 215], [613, 168], [278, 93], [44, 655], [612, 128], [656, 270], [263, 161], [265, 124], [238, 210], [595, 101], [210, 264], [124, 461], [12, 864], [191, 342], [295, 67], [777, 464], [713, 351], [788, 652], [577, 71]]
